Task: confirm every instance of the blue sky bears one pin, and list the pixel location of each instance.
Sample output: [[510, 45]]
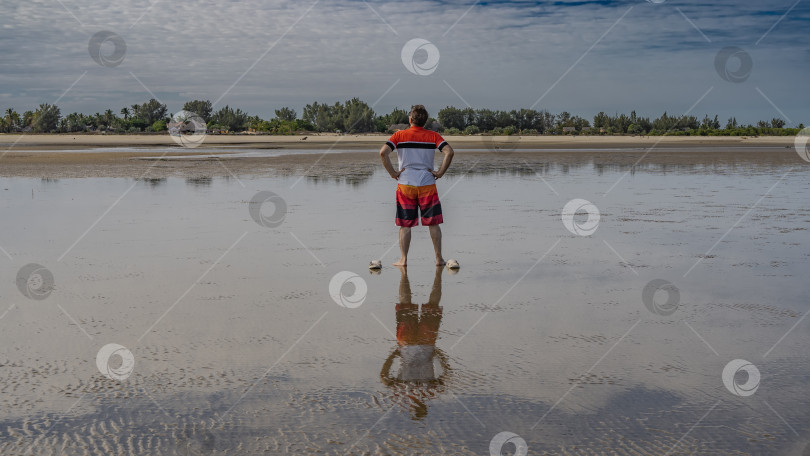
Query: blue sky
[[579, 56]]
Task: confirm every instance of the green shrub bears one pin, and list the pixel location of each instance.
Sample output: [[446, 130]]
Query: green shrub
[[159, 125]]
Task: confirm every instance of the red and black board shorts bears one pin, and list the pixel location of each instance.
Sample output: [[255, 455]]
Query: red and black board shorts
[[413, 329], [412, 200]]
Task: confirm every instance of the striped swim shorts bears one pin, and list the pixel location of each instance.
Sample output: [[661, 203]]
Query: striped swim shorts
[[412, 200]]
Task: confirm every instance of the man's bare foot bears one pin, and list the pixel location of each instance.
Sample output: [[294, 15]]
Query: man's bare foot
[[401, 262], [440, 262]]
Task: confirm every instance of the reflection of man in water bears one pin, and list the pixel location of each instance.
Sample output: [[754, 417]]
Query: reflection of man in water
[[416, 335], [416, 340]]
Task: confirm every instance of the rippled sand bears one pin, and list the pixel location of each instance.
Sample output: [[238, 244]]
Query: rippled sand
[[240, 349]]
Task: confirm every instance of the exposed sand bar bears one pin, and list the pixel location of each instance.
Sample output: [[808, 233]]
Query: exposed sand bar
[[148, 156], [66, 141]]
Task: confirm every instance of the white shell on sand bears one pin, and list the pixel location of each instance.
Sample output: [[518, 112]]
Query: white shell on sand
[[375, 264], [452, 264]]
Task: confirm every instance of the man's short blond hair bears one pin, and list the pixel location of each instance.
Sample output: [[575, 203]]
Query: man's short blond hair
[[418, 115]]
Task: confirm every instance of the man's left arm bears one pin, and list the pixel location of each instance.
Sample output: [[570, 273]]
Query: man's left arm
[[448, 152]]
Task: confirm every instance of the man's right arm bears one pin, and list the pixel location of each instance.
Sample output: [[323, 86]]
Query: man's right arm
[[386, 161]]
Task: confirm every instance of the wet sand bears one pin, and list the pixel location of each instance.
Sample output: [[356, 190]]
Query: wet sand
[[239, 348]]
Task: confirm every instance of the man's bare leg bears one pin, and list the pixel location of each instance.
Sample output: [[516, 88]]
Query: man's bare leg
[[436, 291], [404, 245], [436, 236], [404, 286]]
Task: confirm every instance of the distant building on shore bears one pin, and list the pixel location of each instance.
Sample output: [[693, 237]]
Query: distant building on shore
[[397, 127]]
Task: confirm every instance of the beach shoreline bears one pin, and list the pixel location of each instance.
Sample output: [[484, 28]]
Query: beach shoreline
[[18, 142]]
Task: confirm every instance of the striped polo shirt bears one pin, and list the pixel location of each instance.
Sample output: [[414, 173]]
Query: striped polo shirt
[[416, 149]]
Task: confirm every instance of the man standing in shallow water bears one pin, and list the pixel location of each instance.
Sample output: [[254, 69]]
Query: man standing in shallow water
[[416, 180]]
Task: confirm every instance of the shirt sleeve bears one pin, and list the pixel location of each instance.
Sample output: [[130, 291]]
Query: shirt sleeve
[[440, 142], [393, 141]]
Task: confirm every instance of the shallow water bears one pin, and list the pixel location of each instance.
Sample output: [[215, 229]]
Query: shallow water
[[239, 348]]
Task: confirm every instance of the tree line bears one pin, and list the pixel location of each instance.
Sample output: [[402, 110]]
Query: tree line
[[356, 116], [471, 121]]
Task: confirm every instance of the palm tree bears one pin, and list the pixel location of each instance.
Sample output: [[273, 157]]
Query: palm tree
[[125, 113]]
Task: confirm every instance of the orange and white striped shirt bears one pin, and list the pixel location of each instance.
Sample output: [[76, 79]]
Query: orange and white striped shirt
[[416, 150]]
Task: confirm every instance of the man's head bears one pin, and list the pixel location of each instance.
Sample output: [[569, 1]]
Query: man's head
[[418, 115]]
